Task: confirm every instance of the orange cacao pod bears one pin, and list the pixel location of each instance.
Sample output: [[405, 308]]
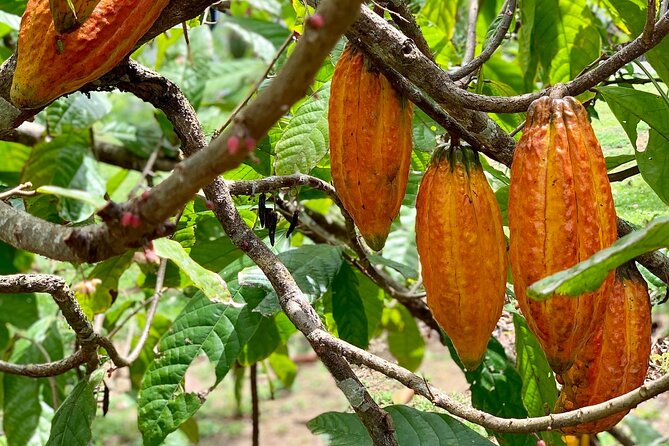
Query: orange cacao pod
[[370, 145], [50, 64], [614, 361], [560, 213], [462, 250], [68, 15]]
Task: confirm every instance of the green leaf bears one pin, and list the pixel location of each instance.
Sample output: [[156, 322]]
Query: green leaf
[[347, 308], [21, 405], [496, 389], [94, 200], [404, 339], [312, 266], [539, 391], [437, 20], [264, 341], [590, 274], [632, 106], [618, 160], [14, 156], [218, 330], [108, 272], [284, 368], [412, 428], [404, 270], [76, 112], [563, 37], [19, 310], [65, 162], [211, 284], [72, 421], [305, 141]]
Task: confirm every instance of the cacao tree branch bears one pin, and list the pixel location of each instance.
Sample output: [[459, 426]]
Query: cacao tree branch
[[408, 25], [377, 37], [508, 10], [624, 174], [150, 87], [470, 43], [511, 425], [87, 339], [97, 242]]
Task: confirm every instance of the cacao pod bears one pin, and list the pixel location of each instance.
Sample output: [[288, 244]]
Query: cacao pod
[[370, 145], [560, 213], [614, 361], [462, 249], [50, 64], [68, 15]]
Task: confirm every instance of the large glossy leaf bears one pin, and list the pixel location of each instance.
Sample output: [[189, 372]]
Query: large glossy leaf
[[539, 391], [209, 282], [412, 428], [14, 157], [72, 421], [312, 266], [215, 329], [631, 107], [305, 141], [347, 307], [562, 38], [437, 21], [590, 274], [65, 162], [405, 342], [21, 405], [76, 112], [496, 388]]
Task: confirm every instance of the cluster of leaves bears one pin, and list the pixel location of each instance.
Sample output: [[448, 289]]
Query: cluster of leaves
[[240, 323]]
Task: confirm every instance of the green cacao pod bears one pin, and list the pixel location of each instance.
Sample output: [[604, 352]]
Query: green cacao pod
[[462, 250], [560, 213], [614, 361], [50, 64], [370, 145]]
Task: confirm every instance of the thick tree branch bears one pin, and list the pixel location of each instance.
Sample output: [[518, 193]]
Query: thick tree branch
[[408, 25], [377, 37]]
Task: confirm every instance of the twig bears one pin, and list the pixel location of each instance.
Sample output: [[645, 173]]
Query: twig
[[146, 171], [160, 279], [256, 86], [18, 190], [649, 26], [621, 436], [255, 408], [623, 174], [129, 316], [508, 10], [470, 44], [655, 83]]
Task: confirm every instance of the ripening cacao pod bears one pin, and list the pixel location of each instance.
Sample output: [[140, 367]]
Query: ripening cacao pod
[[614, 361], [462, 250], [50, 64], [370, 145], [68, 15], [560, 213]]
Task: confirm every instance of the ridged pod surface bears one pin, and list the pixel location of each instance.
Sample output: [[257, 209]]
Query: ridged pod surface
[[67, 18], [614, 361], [462, 250], [560, 213], [50, 64], [370, 145]]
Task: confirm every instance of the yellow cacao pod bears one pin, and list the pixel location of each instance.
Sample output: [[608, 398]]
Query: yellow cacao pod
[[370, 145], [560, 213], [50, 64], [462, 250], [614, 360]]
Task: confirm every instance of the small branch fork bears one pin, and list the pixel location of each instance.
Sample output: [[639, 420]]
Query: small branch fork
[[87, 339]]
